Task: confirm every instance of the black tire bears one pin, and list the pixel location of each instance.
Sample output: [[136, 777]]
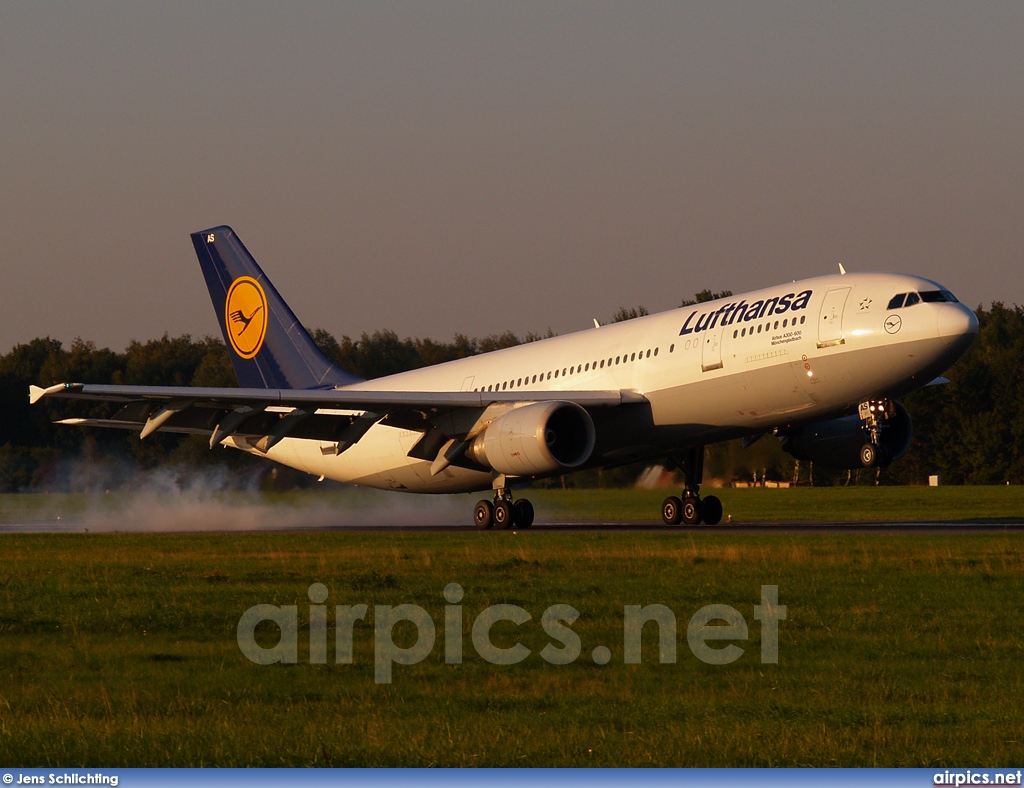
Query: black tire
[[503, 514], [869, 455], [522, 511], [483, 515], [712, 507], [671, 511], [692, 514]]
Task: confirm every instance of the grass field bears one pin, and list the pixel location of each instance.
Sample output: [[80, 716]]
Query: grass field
[[120, 649], [743, 505]]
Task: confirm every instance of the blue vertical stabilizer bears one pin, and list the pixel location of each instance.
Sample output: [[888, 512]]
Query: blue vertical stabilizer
[[268, 346]]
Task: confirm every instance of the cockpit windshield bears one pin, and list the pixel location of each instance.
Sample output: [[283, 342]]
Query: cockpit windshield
[[937, 296], [927, 296]]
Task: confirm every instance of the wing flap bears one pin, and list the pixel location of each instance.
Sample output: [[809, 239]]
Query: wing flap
[[205, 421]]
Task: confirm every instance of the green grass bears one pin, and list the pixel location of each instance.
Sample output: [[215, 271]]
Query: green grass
[[898, 650]]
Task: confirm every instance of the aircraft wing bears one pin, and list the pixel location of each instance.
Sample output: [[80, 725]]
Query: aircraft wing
[[338, 415]]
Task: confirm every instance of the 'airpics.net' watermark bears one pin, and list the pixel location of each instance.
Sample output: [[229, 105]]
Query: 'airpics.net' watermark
[[556, 622]]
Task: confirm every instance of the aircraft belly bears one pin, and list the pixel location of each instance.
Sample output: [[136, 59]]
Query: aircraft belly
[[378, 460]]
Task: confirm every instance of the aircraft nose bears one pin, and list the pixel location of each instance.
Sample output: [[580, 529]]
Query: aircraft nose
[[955, 321]]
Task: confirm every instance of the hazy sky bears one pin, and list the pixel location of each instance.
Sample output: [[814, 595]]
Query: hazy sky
[[437, 167]]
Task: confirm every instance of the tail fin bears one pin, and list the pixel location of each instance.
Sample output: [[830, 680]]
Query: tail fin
[[268, 346]]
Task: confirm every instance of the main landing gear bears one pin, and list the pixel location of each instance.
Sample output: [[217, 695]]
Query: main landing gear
[[503, 513], [691, 508]]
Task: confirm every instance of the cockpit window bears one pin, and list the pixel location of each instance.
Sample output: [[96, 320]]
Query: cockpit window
[[897, 301], [912, 298]]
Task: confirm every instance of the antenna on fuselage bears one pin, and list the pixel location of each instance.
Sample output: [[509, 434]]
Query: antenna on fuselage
[[842, 271]]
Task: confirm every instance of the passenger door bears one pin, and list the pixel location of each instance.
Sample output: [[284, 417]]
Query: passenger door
[[830, 321], [712, 358]]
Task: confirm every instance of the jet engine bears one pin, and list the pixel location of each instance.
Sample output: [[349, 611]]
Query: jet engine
[[840, 443], [536, 439]]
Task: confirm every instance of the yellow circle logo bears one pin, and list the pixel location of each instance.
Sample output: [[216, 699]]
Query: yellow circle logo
[[245, 315]]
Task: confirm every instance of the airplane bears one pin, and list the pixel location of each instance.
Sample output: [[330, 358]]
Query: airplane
[[818, 363]]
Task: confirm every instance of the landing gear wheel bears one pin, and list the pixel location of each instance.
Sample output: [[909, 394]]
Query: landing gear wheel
[[502, 514], [672, 510], [712, 510], [692, 513], [483, 515], [522, 511], [869, 455]]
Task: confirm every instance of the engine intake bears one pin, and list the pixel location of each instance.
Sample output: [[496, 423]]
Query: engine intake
[[837, 443], [536, 439]]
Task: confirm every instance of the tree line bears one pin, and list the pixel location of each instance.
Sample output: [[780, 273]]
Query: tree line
[[970, 431]]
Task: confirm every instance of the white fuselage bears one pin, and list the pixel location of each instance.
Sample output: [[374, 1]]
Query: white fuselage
[[737, 366]]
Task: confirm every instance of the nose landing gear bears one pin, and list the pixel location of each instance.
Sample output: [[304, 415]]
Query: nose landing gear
[[874, 415], [503, 512], [691, 509]]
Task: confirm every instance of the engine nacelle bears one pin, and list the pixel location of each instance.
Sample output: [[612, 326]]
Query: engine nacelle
[[536, 439], [837, 443]]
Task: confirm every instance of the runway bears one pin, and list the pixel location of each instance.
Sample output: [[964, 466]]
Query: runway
[[961, 526], [1007, 525]]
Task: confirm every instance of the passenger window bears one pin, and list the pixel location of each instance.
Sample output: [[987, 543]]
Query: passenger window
[[912, 298], [655, 351], [897, 301], [632, 356], [776, 324], [735, 334], [759, 329], [671, 348], [549, 376], [802, 319]]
